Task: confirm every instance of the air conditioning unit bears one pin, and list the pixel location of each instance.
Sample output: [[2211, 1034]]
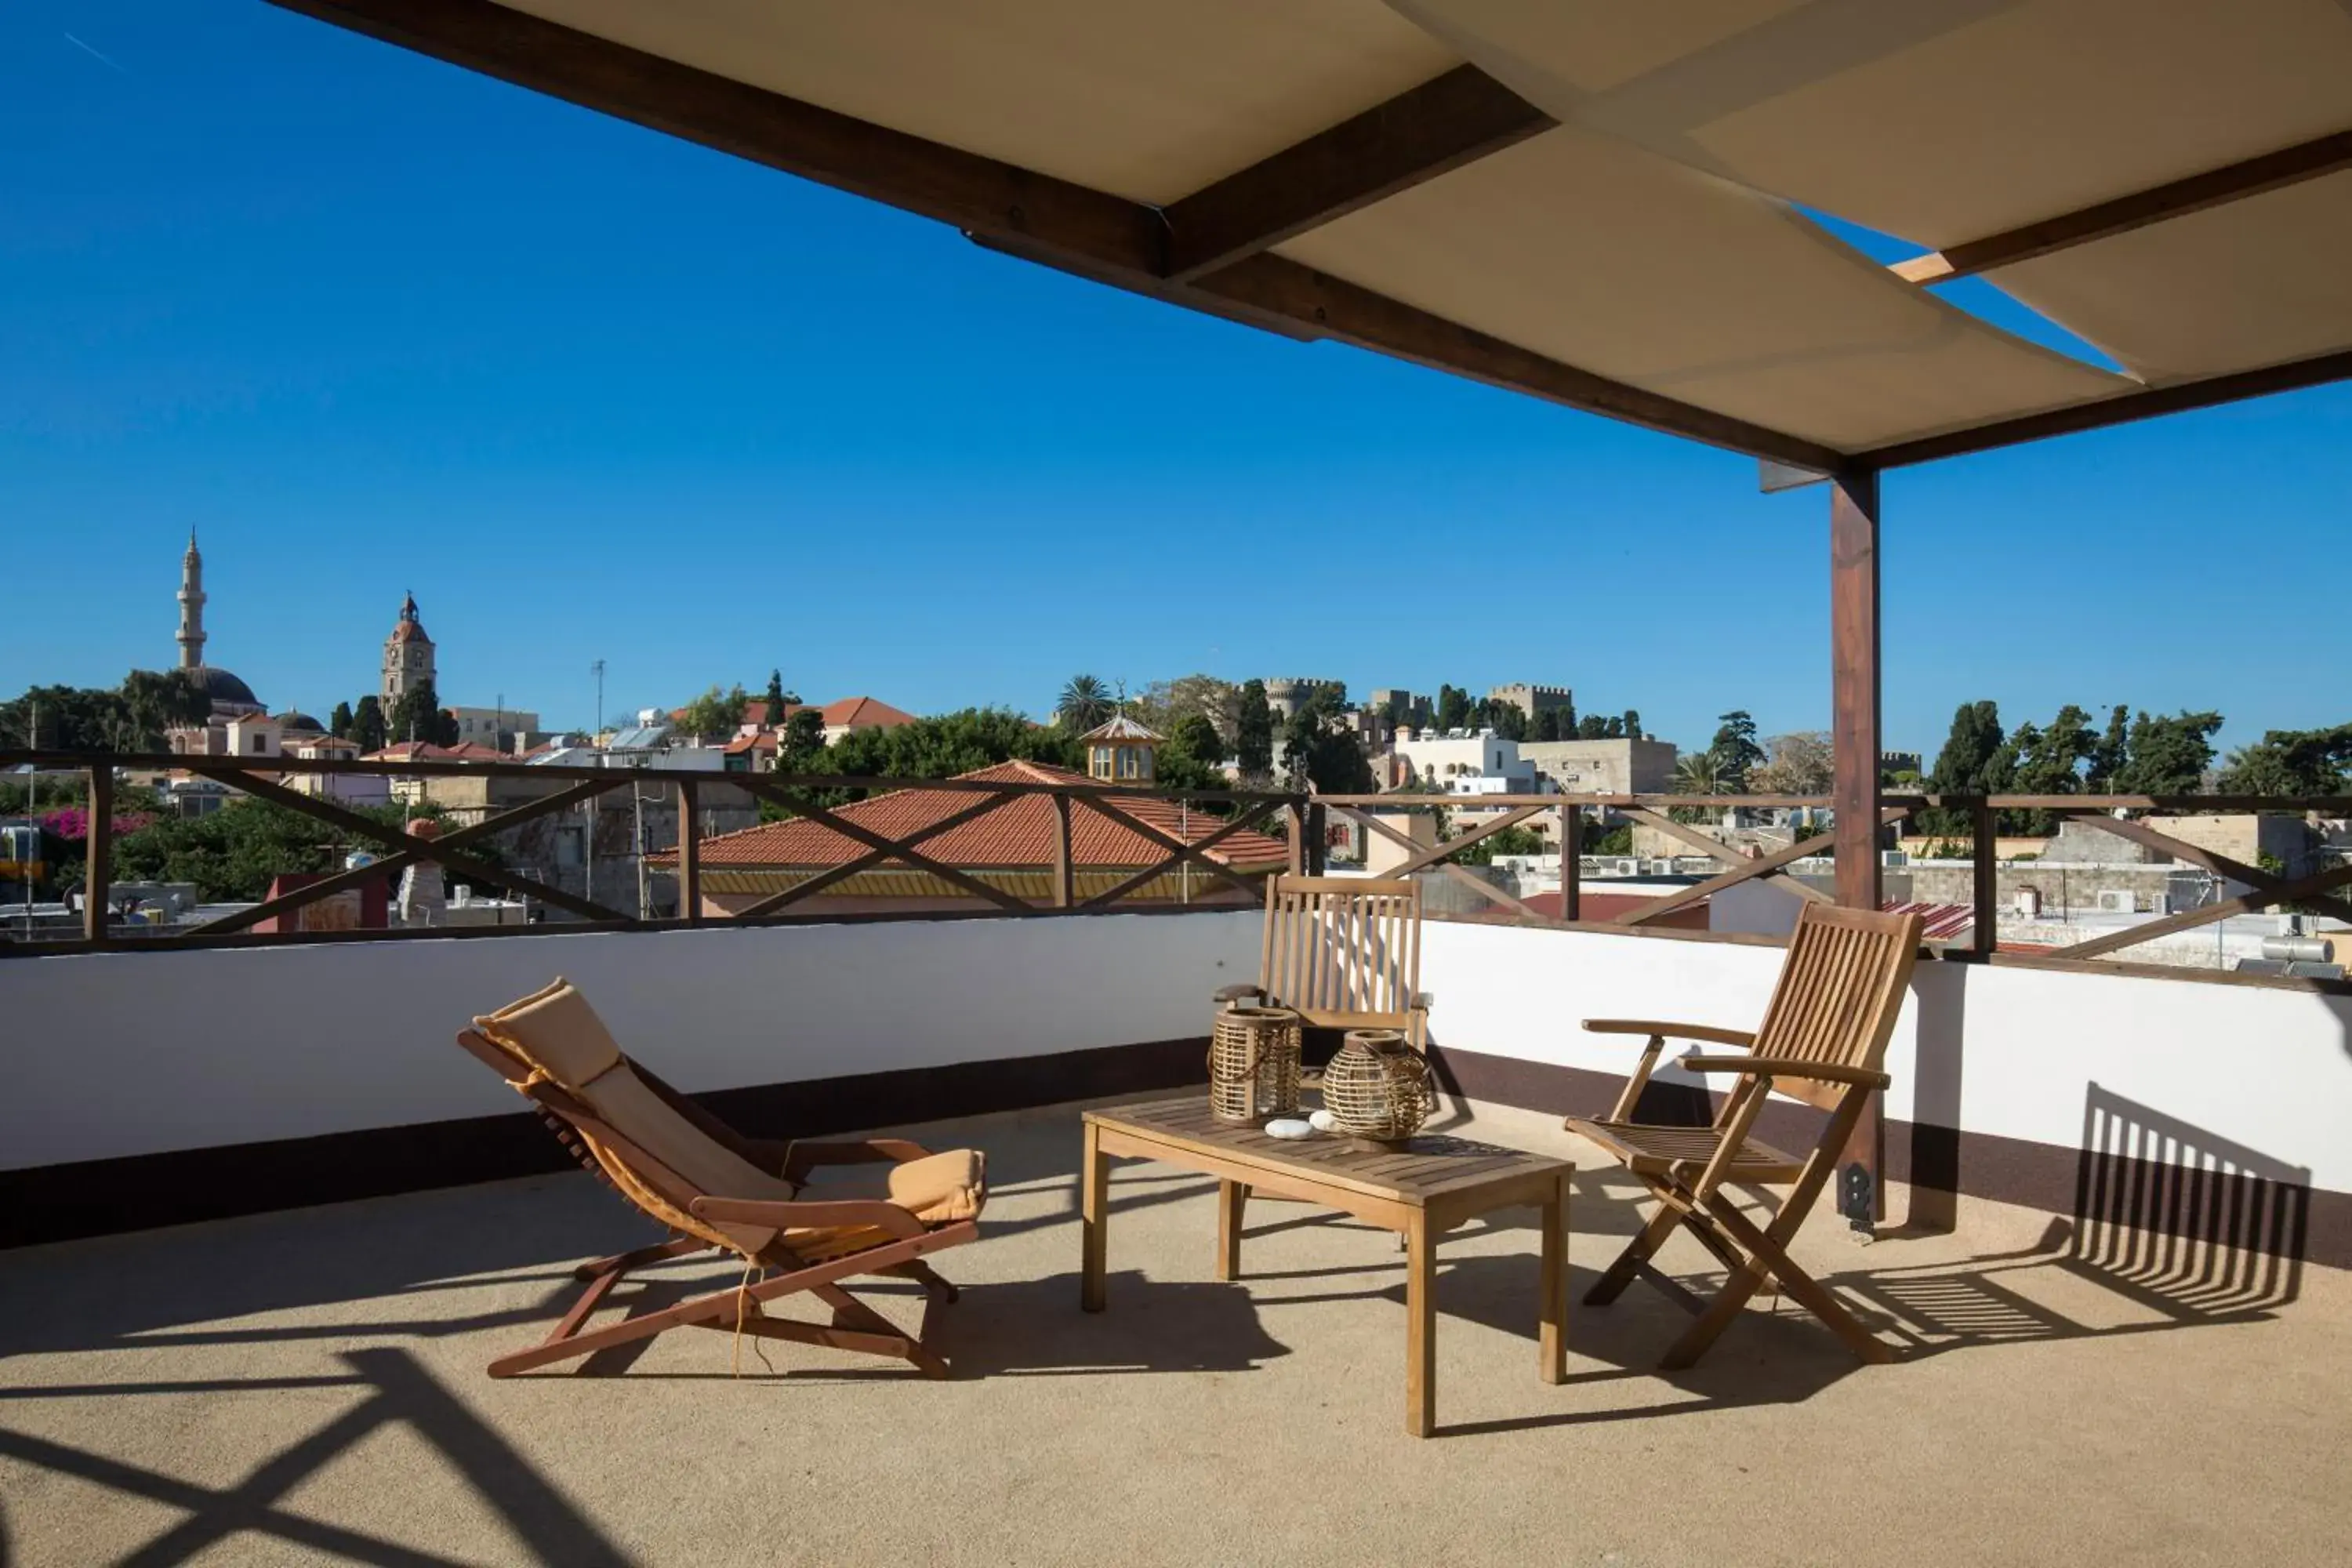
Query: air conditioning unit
[[1892, 857], [1627, 867], [2116, 901], [2159, 903], [1659, 868]]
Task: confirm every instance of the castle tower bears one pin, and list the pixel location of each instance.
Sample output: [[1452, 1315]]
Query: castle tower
[[192, 606], [407, 656]]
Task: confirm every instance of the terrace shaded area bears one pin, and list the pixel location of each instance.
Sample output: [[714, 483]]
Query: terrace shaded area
[[309, 1384]]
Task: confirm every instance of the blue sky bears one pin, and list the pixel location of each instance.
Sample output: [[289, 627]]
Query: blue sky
[[373, 324]]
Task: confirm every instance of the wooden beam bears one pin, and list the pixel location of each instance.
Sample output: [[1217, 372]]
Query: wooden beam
[[1571, 867], [229, 771], [1854, 686], [1037, 216], [326, 886], [765, 785], [1854, 745], [1065, 872], [2158, 204], [690, 854], [98, 855], [2179, 397], [1421, 134], [873, 858], [1195, 852], [2253, 877], [2190, 920]]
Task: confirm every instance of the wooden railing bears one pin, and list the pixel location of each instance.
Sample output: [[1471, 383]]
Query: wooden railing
[[2315, 892], [1303, 820], [455, 851]]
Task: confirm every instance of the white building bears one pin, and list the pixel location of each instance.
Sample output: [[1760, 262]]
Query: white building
[[486, 726], [1446, 759]]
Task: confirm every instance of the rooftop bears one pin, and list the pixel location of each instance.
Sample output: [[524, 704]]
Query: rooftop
[[1021, 832], [312, 1381]]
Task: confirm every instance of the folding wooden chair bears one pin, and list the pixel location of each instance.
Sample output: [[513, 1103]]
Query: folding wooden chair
[[1822, 1040], [1344, 953], [687, 1170]]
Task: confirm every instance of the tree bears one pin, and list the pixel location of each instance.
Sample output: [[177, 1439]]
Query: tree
[[713, 716], [1965, 766], [1254, 731], [1734, 750], [803, 742], [1453, 708], [1548, 720], [1593, 727], [132, 717], [1195, 737], [1084, 704], [1631, 725], [232, 853], [949, 744], [2291, 762], [367, 725], [2168, 754], [339, 722], [1508, 722], [419, 716], [1164, 704], [2112, 754], [1503, 841], [777, 697], [1613, 729], [155, 701], [1801, 764]]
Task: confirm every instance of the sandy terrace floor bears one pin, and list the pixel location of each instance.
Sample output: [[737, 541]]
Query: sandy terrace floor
[[307, 1386]]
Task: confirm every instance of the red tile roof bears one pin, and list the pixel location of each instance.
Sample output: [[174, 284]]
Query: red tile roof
[[1021, 833], [426, 751], [856, 713]]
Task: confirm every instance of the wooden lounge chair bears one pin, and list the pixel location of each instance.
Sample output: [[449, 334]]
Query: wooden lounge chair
[[1344, 953], [687, 1170], [1822, 1041]]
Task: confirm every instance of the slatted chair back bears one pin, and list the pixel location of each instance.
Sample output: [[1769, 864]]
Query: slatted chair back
[[1840, 991], [1344, 952]]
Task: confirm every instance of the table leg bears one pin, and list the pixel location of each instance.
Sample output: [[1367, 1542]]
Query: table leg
[[1233, 1200], [1094, 1212], [1552, 1307], [1421, 1327]]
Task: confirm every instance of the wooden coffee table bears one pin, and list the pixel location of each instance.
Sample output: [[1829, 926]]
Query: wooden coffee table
[[1433, 1186]]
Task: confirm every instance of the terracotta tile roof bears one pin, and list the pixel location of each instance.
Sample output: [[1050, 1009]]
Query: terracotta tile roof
[[1020, 833], [857, 714], [426, 751], [763, 742]]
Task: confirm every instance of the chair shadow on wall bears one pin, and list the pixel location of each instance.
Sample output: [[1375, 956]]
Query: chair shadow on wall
[[2184, 1224]]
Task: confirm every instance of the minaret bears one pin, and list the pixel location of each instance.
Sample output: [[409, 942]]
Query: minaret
[[192, 605]]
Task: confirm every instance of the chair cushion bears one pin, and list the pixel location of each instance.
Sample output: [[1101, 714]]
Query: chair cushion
[[562, 1036], [559, 1031], [938, 1189]]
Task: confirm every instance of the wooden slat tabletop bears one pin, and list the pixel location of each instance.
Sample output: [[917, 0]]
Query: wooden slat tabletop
[[1434, 1163]]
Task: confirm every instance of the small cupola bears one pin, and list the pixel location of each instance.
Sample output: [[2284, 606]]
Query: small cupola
[[1121, 752]]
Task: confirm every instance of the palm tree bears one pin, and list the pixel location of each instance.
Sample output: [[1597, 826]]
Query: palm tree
[[1695, 772], [1086, 702]]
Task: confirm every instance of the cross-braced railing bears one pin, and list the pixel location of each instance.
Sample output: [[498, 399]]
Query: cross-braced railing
[[1221, 815]]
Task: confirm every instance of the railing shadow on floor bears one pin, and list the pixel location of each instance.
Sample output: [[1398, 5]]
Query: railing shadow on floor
[[398, 1391]]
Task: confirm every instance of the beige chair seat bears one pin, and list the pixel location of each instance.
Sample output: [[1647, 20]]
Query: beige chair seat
[[938, 1189], [1656, 1151]]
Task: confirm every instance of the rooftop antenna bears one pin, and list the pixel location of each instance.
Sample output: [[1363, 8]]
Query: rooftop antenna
[[597, 670]]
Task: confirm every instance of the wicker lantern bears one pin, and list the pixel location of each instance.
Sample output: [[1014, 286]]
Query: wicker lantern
[[1378, 1090], [1254, 1064]]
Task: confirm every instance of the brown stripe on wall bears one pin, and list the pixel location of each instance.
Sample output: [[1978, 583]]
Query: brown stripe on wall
[[2264, 1215], [182, 1186]]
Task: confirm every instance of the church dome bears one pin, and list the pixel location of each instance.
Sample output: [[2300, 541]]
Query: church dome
[[294, 721], [224, 688]]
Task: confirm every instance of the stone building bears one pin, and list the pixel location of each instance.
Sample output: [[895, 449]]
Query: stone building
[[408, 657]]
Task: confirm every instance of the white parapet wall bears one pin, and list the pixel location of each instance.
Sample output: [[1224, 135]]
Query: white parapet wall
[[111, 1055], [2013, 1053]]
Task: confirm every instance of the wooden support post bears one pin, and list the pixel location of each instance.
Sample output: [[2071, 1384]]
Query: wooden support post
[[1987, 929], [98, 854], [1571, 873], [1855, 739], [1065, 889], [689, 853], [1319, 839], [1295, 819]]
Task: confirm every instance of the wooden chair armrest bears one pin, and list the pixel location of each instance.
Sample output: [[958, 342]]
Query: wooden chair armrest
[[796, 1216], [1786, 1067], [805, 1155], [1707, 1032], [1235, 993]]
